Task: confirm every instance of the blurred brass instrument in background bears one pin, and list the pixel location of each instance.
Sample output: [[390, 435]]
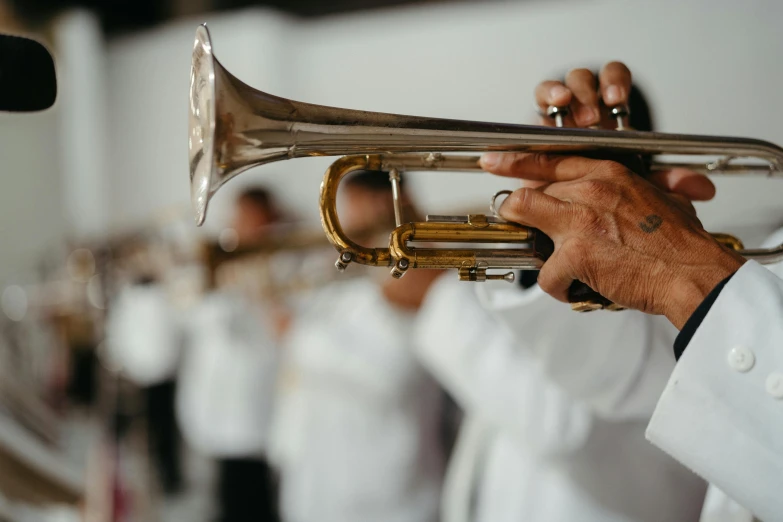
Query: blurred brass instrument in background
[[234, 127], [216, 254], [281, 239]]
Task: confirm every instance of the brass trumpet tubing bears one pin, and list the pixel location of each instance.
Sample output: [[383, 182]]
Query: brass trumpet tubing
[[473, 229], [331, 221], [470, 233], [440, 258], [401, 255], [214, 255], [728, 241], [764, 256]]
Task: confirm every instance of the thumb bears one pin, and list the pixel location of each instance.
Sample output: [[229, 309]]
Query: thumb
[[531, 207]]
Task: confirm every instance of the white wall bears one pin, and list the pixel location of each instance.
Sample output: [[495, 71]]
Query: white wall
[[83, 120], [54, 183], [31, 212], [32, 207], [709, 66]]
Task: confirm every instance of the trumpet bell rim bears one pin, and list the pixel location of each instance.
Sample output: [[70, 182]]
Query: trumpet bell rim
[[201, 123]]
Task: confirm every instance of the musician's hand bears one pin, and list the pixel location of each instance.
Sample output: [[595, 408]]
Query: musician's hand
[[586, 96], [613, 230], [588, 99]]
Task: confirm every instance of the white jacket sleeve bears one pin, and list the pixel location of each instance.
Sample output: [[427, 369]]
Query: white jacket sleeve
[[475, 358], [721, 413], [617, 362]]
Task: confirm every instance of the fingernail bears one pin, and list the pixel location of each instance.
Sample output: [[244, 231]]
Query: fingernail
[[613, 95], [490, 160], [557, 92]]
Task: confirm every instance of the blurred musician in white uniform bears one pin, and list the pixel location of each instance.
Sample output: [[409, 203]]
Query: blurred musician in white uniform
[[357, 427], [229, 378], [143, 341], [531, 448]]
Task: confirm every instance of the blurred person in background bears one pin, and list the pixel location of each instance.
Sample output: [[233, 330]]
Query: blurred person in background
[[538, 445], [229, 376], [358, 423], [143, 342]]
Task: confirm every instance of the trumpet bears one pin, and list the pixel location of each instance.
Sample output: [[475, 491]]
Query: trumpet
[[234, 127], [217, 254]]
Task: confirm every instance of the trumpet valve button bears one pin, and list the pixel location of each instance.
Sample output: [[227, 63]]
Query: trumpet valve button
[[557, 114], [620, 113]]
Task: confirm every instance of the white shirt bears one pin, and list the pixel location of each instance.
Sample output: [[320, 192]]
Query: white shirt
[[357, 424], [228, 379], [532, 450], [142, 335]]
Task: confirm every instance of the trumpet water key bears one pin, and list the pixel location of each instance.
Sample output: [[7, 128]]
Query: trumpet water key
[[234, 127]]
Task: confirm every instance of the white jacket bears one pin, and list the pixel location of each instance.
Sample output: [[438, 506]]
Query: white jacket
[[616, 362], [721, 413], [228, 379], [356, 428], [529, 450], [142, 335]]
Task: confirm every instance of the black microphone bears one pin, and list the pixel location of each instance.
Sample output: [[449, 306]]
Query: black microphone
[[27, 77]]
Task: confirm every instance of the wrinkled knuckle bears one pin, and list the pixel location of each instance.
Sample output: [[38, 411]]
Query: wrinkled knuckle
[[591, 222], [594, 189], [608, 169], [615, 169], [575, 249]]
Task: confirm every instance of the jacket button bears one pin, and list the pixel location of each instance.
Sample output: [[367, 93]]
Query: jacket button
[[775, 385], [741, 358]]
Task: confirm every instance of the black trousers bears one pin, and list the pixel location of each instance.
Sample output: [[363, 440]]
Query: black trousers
[[164, 437], [247, 491]]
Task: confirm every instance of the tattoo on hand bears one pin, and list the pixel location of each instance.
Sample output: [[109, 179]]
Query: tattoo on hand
[[651, 223]]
